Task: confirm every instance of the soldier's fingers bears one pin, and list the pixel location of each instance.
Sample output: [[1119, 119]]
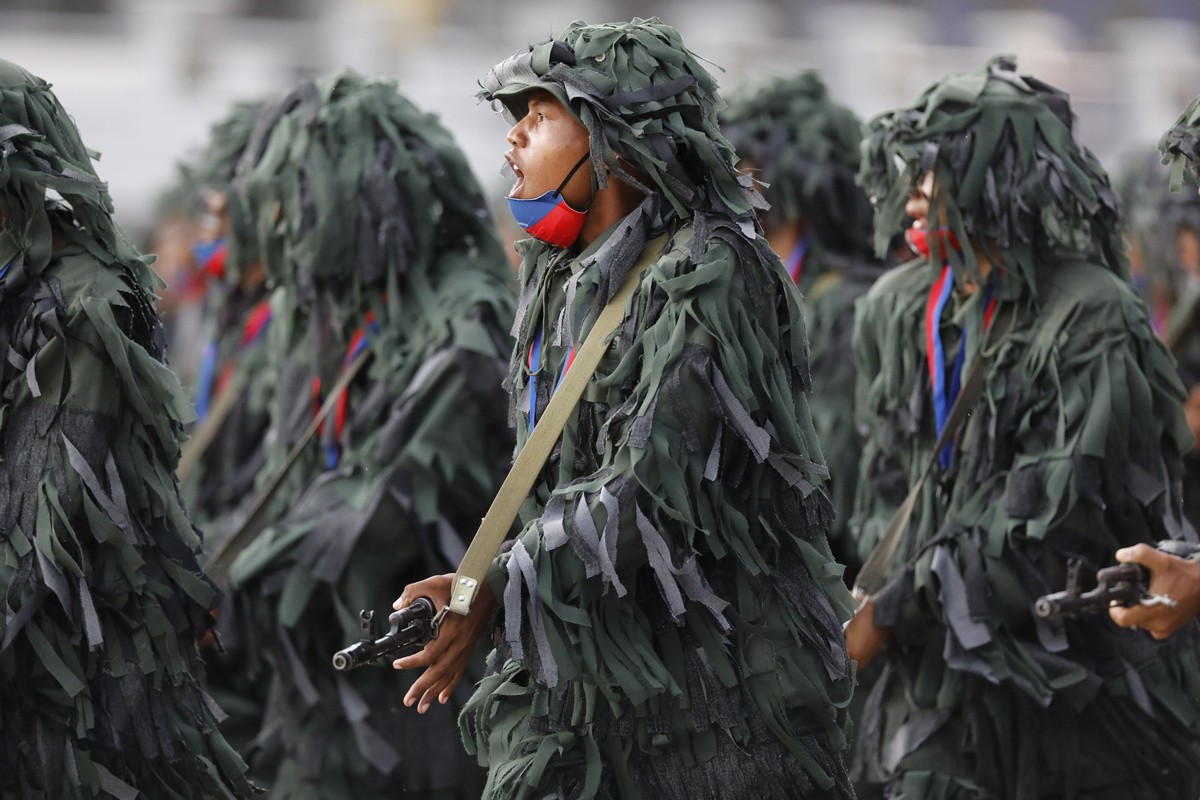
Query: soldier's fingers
[[1131, 617], [1143, 554], [431, 653], [431, 692], [406, 596], [420, 686], [435, 587], [418, 659], [428, 697], [444, 695], [1160, 633], [409, 592]]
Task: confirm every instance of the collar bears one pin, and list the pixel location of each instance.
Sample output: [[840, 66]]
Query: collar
[[588, 255]]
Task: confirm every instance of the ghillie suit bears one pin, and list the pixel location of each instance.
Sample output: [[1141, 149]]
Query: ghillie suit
[[101, 685], [1153, 216], [235, 356], [672, 614], [1164, 233], [180, 301], [1180, 148], [804, 150], [1071, 451], [374, 231]]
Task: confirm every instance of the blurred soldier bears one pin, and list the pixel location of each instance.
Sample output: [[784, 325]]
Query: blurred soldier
[[1164, 250], [180, 302], [671, 610], [375, 235], [1071, 449], [227, 450], [1171, 576], [1151, 239], [235, 357], [101, 685], [804, 151]]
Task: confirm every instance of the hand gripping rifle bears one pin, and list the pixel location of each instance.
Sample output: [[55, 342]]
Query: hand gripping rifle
[[1124, 584], [411, 625]]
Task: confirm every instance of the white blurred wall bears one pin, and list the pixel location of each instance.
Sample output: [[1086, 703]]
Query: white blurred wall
[[145, 79]]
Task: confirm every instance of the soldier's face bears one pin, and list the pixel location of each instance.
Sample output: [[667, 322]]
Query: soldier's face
[[546, 143], [917, 206]]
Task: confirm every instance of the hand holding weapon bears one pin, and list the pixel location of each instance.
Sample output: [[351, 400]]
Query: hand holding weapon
[[1124, 584], [412, 625]]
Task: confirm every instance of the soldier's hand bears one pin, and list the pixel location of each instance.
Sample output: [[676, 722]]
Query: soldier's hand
[[1170, 576], [445, 658], [864, 639]]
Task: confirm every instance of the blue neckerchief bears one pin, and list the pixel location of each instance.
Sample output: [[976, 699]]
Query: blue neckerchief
[[535, 367], [943, 395]]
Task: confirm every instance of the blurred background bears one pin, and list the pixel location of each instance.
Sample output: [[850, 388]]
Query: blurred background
[[145, 78]]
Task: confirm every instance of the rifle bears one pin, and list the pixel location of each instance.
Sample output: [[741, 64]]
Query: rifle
[[411, 625], [1124, 584]]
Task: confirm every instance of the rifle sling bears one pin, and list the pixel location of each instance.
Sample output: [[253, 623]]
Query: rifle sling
[[528, 465], [225, 554], [206, 432], [873, 575]]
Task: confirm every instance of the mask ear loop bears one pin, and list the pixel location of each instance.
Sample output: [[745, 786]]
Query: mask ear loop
[[567, 180]]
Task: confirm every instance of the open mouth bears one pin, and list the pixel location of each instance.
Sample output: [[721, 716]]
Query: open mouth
[[517, 173]]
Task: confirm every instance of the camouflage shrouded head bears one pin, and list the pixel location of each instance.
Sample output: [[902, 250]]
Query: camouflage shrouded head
[[1155, 216], [1180, 146], [649, 106], [1010, 177], [354, 193], [42, 159], [213, 171], [806, 149]]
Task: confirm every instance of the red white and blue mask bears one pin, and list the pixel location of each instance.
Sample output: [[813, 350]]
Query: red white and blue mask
[[917, 237], [210, 257], [548, 217]]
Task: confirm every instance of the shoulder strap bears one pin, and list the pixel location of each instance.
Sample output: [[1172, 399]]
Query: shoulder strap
[[500, 515], [824, 285], [1182, 319], [206, 432], [224, 555], [873, 575]]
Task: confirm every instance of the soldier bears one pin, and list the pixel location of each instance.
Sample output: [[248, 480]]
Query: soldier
[[804, 150], [1071, 449], [101, 684], [1172, 576], [671, 611], [222, 477], [375, 235]]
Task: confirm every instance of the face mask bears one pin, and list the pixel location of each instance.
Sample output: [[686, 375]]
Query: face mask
[[210, 257], [548, 217], [918, 239]]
